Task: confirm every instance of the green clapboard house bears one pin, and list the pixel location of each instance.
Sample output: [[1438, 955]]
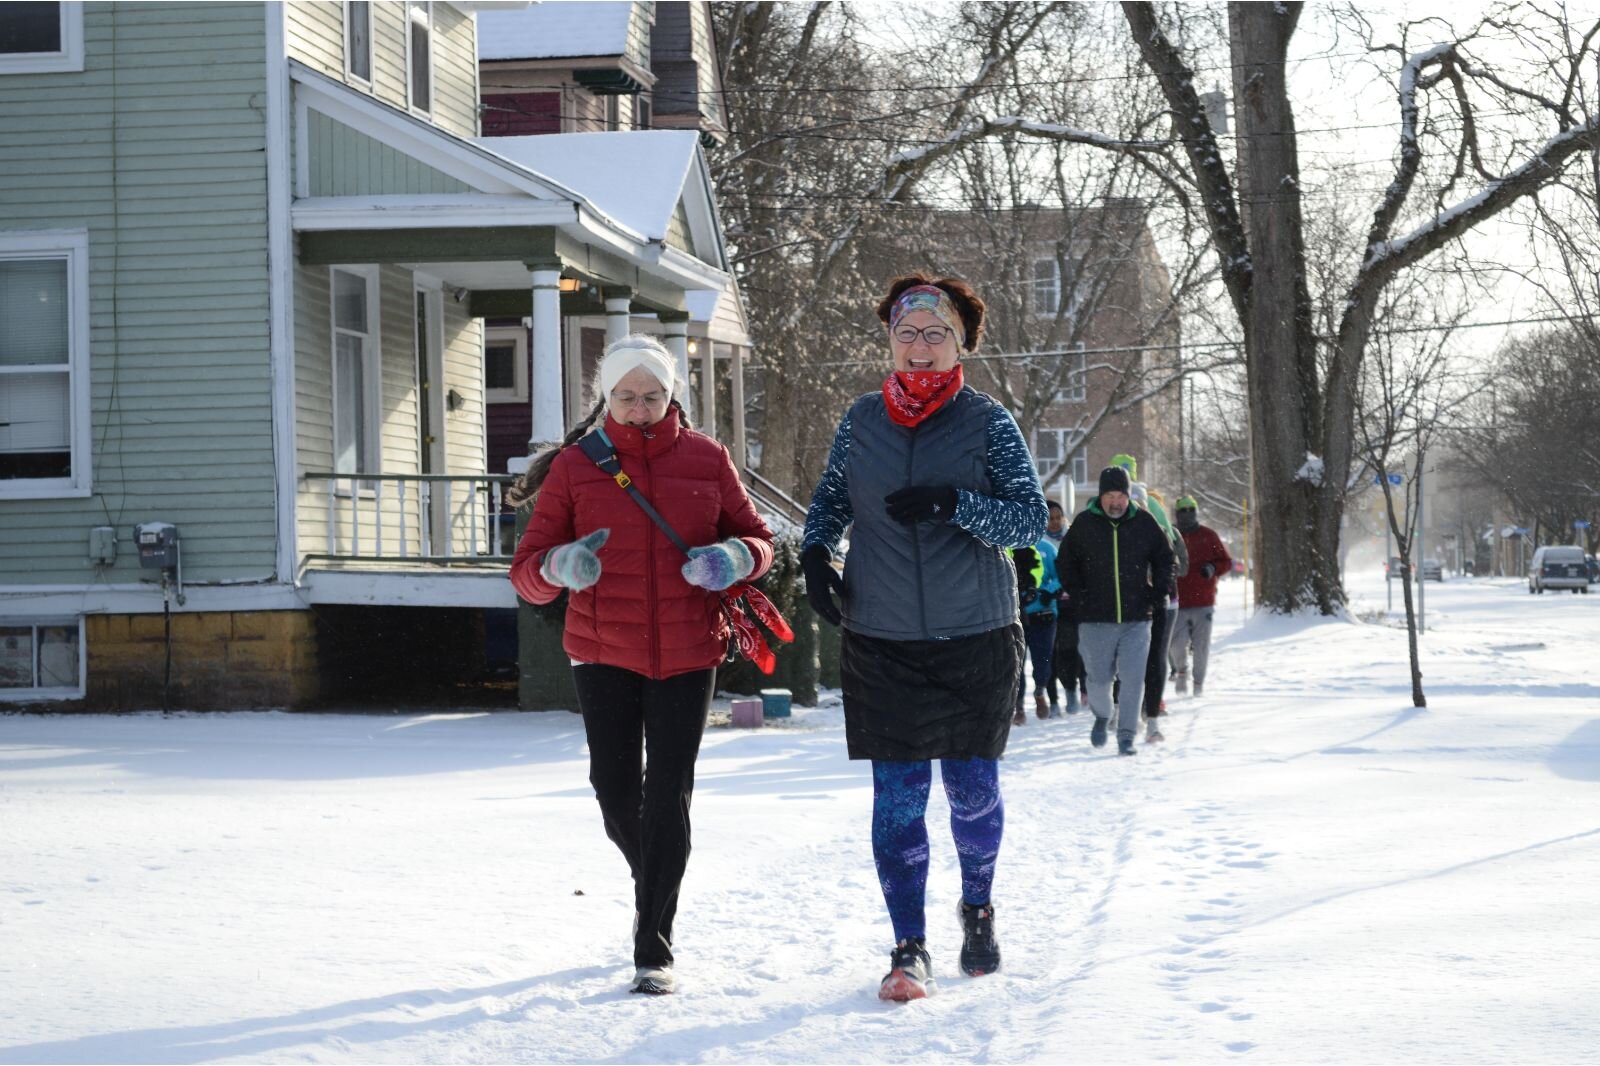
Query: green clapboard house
[[247, 254]]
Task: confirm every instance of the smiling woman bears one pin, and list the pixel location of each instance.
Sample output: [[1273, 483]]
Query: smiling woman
[[935, 482]]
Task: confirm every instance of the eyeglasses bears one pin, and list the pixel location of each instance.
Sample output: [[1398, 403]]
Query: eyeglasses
[[933, 335], [628, 399]]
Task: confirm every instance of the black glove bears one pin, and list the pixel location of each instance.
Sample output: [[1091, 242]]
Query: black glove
[[922, 503], [822, 581], [1208, 571]]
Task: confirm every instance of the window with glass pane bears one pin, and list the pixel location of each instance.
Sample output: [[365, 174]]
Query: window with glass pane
[[421, 21], [1046, 286], [1080, 465], [500, 365], [353, 349], [358, 40], [16, 657], [35, 372], [58, 656], [36, 656], [1076, 388], [30, 28]]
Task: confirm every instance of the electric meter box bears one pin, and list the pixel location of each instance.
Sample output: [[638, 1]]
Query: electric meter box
[[158, 545]]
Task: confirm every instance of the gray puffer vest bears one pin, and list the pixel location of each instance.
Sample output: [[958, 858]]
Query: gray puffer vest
[[928, 580]]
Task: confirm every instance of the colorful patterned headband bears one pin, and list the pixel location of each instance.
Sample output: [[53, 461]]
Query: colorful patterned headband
[[929, 298]]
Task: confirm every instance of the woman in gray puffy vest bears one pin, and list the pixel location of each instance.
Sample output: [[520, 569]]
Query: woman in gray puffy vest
[[935, 484]]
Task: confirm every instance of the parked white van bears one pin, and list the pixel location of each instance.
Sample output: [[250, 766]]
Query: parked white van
[[1558, 566]]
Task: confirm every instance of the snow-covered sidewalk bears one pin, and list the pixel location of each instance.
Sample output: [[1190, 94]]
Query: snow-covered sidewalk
[[1308, 869]]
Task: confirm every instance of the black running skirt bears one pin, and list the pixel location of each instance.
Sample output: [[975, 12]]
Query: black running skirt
[[909, 700]]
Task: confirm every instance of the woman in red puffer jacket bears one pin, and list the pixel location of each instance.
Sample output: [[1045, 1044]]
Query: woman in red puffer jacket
[[644, 627]]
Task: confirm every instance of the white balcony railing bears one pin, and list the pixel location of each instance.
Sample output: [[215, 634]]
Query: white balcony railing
[[416, 518]]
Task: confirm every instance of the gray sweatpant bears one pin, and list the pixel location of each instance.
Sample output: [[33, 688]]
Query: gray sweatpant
[[1192, 628], [1113, 652]]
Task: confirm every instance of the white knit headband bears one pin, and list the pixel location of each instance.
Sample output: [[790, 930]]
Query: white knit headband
[[629, 354]]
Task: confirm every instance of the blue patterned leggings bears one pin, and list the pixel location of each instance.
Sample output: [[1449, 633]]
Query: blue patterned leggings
[[900, 833]]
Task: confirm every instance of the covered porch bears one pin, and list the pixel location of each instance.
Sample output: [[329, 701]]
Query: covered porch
[[407, 241]]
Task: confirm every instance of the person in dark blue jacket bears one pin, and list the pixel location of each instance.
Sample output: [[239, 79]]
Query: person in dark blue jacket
[[935, 483]]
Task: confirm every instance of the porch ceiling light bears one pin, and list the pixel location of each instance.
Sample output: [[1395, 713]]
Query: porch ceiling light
[[570, 284]]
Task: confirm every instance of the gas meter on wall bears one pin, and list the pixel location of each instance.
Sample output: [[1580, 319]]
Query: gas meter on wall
[[158, 545]]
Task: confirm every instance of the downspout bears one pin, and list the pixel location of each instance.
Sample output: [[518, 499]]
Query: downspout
[[280, 291]]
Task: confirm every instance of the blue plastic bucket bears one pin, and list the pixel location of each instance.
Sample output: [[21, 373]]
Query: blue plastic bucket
[[775, 702]]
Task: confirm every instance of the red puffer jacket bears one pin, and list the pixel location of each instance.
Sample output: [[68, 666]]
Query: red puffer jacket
[[642, 615], [1194, 588]]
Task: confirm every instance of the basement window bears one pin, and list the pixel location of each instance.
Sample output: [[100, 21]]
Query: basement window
[[41, 658]]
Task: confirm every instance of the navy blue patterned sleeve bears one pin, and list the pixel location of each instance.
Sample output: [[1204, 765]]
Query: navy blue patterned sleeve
[[830, 512], [1015, 516]]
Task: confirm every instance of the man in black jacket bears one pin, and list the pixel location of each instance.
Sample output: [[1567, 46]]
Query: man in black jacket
[[1115, 564]]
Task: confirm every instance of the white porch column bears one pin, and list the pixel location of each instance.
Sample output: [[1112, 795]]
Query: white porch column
[[736, 380], [708, 387], [675, 335], [544, 383], [618, 302]]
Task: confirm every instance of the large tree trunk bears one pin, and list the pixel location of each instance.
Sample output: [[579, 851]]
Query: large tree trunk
[[1298, 514]]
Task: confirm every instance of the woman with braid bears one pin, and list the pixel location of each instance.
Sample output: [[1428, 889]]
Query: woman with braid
[[935, 482], [644, 627]]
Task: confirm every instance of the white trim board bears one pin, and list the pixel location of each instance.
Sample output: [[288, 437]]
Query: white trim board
[[487, 588], [141, 598], [280, 291]]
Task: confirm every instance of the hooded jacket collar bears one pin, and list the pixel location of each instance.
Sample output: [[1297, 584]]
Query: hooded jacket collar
[[648, 442]]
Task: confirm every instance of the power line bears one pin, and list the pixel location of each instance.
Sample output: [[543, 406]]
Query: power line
[[1209, 345]]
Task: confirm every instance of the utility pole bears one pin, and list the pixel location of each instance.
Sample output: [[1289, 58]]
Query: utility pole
[[1420, 544]]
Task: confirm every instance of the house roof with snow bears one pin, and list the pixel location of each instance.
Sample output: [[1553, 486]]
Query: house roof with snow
[[637, 178]]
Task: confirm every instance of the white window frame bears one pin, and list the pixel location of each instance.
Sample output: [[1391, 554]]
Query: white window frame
[[73, 247], [59, 692], [1035, 282], [349, 47], [518, 393], [371, 369], [1076, 389], [411, 59], [1076, 453], [68, 59]]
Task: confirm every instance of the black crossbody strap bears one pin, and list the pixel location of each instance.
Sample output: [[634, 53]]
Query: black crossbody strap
[[598, 447]]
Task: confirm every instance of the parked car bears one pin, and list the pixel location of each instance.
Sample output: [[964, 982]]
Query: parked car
[[1432, 570], [1558, 566]]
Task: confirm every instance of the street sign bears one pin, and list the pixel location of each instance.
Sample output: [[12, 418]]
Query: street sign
[[1581, 523], [1394, 479]]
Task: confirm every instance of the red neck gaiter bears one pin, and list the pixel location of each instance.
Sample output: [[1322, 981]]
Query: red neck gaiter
[[912, 395]]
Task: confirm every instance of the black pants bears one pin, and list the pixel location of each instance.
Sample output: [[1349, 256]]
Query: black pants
[[628, 717], [1155, 671], [1066, 664]]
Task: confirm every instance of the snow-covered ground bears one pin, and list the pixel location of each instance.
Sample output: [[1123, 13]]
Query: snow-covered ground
[[1308, 869]]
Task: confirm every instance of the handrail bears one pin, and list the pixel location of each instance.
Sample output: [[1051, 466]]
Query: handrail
[[796, 511], [415, 521]]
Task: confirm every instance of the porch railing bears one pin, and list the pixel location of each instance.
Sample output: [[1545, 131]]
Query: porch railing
[[416, 518]]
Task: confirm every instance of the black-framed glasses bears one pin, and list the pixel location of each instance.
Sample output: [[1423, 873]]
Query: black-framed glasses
[[934, 335]]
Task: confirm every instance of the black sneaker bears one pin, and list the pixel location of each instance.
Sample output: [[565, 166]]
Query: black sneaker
[[1125, 743], [1097, 735], [980, 951], [910, 973]]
